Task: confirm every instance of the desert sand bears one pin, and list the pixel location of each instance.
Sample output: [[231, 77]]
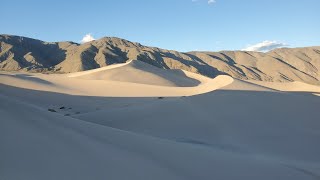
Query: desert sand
[[135, 121]]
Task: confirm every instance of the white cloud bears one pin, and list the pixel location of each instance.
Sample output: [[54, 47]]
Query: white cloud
[[87, 38], [209, 1], [265, 46]]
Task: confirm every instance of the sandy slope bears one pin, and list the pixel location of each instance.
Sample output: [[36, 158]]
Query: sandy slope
[[239, 130]]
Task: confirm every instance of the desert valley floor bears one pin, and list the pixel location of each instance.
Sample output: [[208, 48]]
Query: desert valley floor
[[136, 121]]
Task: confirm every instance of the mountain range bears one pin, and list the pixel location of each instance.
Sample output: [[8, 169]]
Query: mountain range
[[19, 53]]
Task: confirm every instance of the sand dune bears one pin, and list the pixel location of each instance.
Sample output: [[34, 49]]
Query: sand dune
[[141, 73], [132, 121], [122, 80]]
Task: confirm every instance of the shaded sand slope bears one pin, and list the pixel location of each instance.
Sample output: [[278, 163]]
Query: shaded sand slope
[[268, 124], [219, 135]]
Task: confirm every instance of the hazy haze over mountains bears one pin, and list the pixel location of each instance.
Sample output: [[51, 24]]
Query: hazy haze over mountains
[[280, 65]]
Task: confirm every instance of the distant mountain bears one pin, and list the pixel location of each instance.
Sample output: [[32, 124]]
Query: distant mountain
[[287, 64]]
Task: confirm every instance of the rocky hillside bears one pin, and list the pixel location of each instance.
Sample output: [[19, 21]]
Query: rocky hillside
[[280, 65]]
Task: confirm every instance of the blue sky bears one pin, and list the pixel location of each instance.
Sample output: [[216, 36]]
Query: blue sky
[[183, 25]]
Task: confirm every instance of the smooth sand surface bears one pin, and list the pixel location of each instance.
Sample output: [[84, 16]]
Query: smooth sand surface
[[92, 125]]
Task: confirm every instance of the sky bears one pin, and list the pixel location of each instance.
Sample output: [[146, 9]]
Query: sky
[[183, 25]]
